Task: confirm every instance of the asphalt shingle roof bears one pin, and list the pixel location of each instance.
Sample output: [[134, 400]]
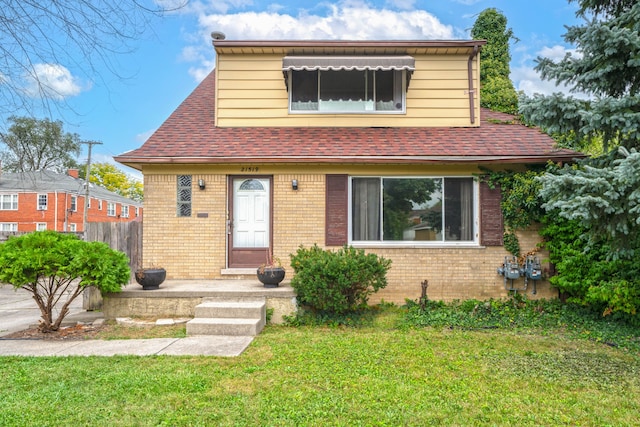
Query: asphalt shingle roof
[[189, 135]]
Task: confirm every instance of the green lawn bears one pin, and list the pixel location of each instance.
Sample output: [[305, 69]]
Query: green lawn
[[375, 375]]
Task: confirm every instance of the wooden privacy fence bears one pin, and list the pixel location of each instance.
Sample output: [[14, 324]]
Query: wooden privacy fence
[[122, 236]]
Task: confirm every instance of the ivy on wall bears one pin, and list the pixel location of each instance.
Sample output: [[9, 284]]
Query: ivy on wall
[[521, 204]]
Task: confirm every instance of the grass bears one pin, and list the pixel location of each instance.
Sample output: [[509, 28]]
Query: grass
[[381, 374], [123, 332]]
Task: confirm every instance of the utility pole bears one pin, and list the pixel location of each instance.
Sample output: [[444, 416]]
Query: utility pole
[[87, 175]]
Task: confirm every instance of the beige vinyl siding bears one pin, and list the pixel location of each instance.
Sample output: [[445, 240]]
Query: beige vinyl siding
[[251, 92]]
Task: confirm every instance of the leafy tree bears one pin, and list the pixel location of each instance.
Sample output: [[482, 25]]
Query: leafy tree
[[496, 89], [32, 144], [52, 265], [41, 40], [113, 179]]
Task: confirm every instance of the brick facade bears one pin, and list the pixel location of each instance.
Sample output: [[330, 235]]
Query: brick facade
[[195, 247], [59, 212]]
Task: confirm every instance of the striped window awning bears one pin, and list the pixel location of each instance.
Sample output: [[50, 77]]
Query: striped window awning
[[348, 63]]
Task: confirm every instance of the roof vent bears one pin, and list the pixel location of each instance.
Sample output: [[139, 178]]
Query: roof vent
[[218, 35]]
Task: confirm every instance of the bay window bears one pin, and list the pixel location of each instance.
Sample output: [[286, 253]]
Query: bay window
[[413, 209]]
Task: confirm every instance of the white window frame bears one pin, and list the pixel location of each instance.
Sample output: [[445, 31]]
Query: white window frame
[[125, 211], [74, 204], [475, 242], [333, 107], [100, 204], [111, 209], [73, 227], [9, 199], [9, 226], [43, 198], [41, 226]]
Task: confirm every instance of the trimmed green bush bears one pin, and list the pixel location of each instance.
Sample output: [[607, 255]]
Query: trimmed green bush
[[52, 265], [337, 282]]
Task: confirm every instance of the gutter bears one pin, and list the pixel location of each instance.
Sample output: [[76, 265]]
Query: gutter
[[262, 160], [472, 107]]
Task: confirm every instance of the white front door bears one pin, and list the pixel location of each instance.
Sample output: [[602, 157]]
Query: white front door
[[250, 235]]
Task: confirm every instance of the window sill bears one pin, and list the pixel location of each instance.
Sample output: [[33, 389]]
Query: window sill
[[409, 245]]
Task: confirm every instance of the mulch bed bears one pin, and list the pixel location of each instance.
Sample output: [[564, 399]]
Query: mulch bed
[[77, 332]]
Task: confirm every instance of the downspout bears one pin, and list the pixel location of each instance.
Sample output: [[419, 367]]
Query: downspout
[[472, 107]]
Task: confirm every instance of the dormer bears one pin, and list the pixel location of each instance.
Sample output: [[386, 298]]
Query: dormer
[[347, 83]]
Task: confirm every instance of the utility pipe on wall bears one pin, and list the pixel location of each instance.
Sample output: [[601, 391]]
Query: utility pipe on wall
[[472, 107]]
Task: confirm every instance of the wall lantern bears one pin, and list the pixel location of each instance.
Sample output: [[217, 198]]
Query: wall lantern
[[294, 184], [201, 184]]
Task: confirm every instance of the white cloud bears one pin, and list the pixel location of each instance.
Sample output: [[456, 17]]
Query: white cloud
[[557, 52], [345, 20], [52, 81], [527, 80]]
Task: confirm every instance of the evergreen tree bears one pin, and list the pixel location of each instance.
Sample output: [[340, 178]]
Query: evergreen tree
[[602, 194], [606, 66], [496, 89]]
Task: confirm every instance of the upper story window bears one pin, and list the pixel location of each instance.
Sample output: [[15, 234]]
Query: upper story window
[[99, 205], [74, 203], [111, 209], [8, 202], [125, 211], [414, 210], [347, 84], [42, 202]]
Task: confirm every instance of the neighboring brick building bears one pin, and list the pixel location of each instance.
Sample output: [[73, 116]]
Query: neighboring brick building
[[374, 144], [46, 200]]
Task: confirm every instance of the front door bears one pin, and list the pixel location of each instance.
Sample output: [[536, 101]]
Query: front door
[[249, 231]]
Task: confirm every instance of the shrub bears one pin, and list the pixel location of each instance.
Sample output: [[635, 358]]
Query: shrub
[[337, 282], [51, 265]]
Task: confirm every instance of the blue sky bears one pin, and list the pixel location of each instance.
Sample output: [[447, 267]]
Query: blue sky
[[171, 58]]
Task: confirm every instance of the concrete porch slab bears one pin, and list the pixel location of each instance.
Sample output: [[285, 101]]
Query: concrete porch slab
[[178, 298]]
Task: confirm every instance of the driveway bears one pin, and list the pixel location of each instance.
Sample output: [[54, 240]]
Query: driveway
[[18, 310]]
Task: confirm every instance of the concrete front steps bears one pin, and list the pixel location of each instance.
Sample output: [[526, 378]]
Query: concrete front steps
[[241, 316]]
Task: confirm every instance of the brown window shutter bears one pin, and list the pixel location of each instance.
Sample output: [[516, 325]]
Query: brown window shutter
[[336, 228], [491, 223]]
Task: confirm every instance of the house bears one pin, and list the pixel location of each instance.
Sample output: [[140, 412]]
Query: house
[[46, 200], [375, 144]]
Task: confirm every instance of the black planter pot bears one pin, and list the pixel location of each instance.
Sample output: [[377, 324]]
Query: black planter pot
[[150, 278], [271, 277]]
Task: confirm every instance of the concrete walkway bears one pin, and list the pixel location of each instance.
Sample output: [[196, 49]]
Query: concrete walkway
[[18, 311]]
